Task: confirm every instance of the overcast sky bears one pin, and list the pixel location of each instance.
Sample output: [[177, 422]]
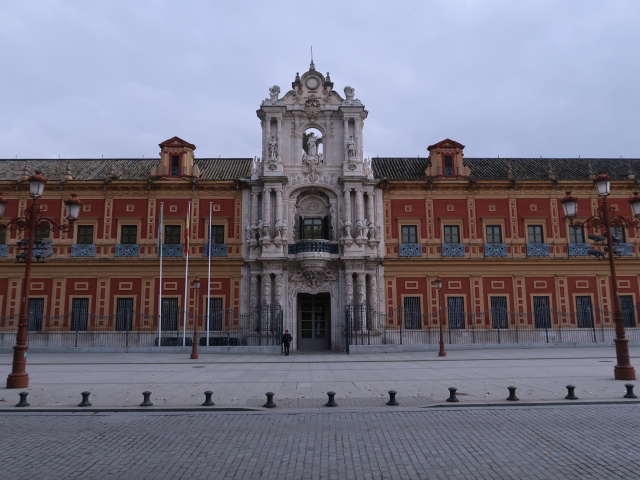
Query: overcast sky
[[514, 78]]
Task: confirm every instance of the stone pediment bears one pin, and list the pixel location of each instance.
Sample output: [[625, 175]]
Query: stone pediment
[[176, 142]]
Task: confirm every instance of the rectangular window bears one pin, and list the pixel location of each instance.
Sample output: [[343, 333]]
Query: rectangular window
[[216, 314], [576, 235], [455, 310], [412, 314], [494, 233], [451, 234], [628, 310], [584, 312], [448, 166], [217, 234], [499, 312], [129, 234], [170, 314], [79, 314], [85, 235], [175, 165], [535, 234], [617, 234], [36, 314], [124, 314], [3, 236], [409, 234], [541, 312], [41, 234], [172, 234], [312, 229]]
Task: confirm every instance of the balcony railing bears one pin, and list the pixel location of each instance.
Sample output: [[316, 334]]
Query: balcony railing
[[127, 250], [3, 249], [172, 250], [215, 249], [622, 249], [537, 249], [579, 249], [317, 246], [453, 249], [83, 250], [410, 250], [495, 249]]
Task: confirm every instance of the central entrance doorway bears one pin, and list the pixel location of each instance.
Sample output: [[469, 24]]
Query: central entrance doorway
[[314, 322]]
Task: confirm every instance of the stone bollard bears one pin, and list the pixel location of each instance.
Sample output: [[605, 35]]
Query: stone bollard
[[629, 393], [270, 403], [85, 400], [23, 400], [570, 393], [452, 395], [392, 398], [332, 401], [512, 394], [207, 399], [146, 402]]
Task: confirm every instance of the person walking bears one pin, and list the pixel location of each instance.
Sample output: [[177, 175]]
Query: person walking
[[286, 340]]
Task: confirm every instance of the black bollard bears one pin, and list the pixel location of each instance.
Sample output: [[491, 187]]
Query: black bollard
[[512, 394], [570, 393], [146, 402], [270, 403], [332, 401], [23, 400], [392, 398], [85, 400], [207, 399], [452, 395], [630, 393]]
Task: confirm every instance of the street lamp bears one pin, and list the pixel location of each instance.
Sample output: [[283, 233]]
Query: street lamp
[[441, 353], [194, 343], [32, 221], [606, 218]]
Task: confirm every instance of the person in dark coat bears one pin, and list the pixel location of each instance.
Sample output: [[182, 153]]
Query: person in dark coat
[[286, 341]]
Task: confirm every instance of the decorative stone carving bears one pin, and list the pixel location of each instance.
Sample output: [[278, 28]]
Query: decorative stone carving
[[314, 274], [274, 92], [349, 92], [312, 106]]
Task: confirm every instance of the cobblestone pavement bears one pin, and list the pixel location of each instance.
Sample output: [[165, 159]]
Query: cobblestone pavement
[[562, 442]]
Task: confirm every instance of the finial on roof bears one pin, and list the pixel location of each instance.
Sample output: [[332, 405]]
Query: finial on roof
[[312, 67]]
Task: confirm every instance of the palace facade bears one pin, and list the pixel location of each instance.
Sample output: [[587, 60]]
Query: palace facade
[[307, 234]]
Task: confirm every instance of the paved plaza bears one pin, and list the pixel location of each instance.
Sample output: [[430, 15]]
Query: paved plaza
[[541, 436]]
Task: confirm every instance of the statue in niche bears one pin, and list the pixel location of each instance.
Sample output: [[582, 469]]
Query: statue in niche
[[281, 229], [312, 161], [351, 148], [312, 145], [273, 149], [360, 228], [345, 227]]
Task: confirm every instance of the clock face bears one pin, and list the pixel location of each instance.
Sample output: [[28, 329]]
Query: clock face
[[312, 83]]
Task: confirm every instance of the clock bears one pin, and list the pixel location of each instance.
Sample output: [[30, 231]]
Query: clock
[[312, 83]]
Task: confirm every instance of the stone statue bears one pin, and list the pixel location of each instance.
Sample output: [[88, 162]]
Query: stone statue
[[274, 92], [347, 228], [351, 148], [349, 93], [273, 149], [266, 228], [312, 147], [281, 229]]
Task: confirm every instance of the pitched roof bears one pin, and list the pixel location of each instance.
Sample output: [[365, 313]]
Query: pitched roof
[[520, 168], [123, 168]]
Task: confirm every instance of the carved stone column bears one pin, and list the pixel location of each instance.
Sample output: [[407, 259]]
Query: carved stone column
[[359, 205], [348, 294], [347, 204], [266, 289], [277, 289], [253, 220], [370, 207], [279, 211], [361, 295], [373, 291], [266, 207]]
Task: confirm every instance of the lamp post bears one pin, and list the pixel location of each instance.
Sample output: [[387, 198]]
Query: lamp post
[[605, 218], [32, 221], [194, 343], [441, 353]]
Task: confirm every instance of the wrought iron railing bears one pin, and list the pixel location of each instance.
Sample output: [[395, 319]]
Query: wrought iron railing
[[453, 249], [410, 250], [314, 246], [127, 250], [495, 249], [537, 249], [83, 250]]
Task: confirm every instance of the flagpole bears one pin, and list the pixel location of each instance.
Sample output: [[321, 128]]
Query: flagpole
[[209, 275], [160, 280], [186, 275]]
